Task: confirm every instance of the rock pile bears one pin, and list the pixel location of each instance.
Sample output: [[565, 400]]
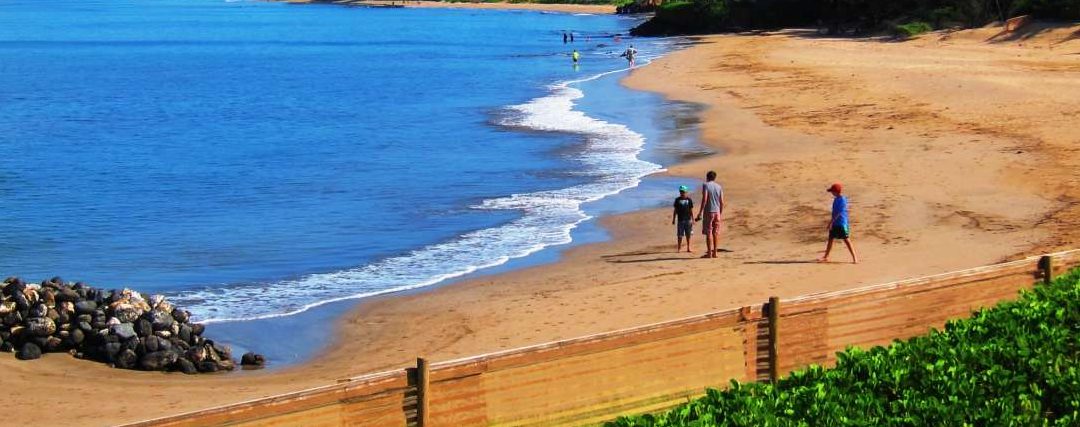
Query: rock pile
[[119, 327]]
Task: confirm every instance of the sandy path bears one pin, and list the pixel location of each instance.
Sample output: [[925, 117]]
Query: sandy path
[[955, 153]]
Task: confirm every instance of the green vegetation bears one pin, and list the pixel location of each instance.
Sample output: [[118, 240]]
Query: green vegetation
[[1017, 364], [850, 16], [912, 29]]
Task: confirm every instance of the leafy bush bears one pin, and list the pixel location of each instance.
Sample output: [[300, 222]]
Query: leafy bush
[[912, 29], [1017, 364], [686, 17], [858, 15]]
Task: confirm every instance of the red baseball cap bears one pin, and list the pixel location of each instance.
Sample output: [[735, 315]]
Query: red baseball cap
[[836, 188]]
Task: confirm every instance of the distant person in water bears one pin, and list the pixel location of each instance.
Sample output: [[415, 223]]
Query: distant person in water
[[571, 37], [683, 218], [630, 54], [712, 205], [838, 223], [575, 56], [564, 37]]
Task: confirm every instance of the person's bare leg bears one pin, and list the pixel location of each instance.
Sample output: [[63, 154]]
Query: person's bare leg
[[688, 250], [708, 246], [715, 242], [828, 248], [850, 248]]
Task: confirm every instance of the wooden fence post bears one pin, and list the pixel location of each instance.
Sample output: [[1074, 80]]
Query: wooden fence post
[[1046, 264], [774, 334], [423, 381]]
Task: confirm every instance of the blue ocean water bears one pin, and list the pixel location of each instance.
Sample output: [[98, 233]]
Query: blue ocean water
[[252, 160]]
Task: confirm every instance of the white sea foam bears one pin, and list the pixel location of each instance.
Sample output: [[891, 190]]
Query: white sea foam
[[608, 158]]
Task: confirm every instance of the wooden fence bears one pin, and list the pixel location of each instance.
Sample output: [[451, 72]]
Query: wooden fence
[[591, 379]]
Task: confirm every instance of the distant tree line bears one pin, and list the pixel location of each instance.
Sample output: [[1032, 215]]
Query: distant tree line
[[845, 16]]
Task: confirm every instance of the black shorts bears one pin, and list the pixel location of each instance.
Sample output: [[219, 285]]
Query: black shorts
[[839, 232], [685, 229]]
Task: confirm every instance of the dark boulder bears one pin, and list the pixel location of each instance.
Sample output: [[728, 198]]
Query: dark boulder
[[124, 331], [143, 328], [198, 328], [152, 344], [181, 316], [7, 347], [39, 310], [77, 336], [53, 344], [185, 333], [86, 327], [28, 351], [252, 359], [126, 359], [85, 307], [207, 366], [21, 303], [67, 295], [111, 350], [62, 318], [157, 361], [160, 320], [186, 366]]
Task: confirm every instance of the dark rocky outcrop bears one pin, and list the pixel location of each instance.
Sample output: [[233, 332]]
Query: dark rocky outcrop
[[120, 327]]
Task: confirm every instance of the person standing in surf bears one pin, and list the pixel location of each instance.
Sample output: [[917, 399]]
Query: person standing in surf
[[564, 38], [712, 205], [629, 54], [575, 56], [684, 214]]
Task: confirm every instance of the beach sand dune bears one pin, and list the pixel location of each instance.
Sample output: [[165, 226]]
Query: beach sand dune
[[957, 150]]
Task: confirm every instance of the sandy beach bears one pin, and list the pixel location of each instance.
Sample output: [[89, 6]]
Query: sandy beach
[[956, 150], [547, 7]]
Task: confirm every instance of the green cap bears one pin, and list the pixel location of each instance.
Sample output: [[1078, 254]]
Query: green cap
[[684, 188]]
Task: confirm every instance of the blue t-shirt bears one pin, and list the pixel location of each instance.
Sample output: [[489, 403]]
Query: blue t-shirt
[[839, 211]]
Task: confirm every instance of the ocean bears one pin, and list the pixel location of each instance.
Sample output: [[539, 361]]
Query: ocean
[[254, 161]]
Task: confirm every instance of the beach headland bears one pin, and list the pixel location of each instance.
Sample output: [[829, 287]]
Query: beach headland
[[955, 152]]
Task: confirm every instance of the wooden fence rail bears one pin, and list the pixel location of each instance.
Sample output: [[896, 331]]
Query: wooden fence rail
[[594, 378]]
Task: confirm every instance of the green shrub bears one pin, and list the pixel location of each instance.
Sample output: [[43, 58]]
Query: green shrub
[[912, 29], [1017, 364]]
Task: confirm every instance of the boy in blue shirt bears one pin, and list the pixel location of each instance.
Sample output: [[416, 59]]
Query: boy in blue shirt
[[838, 224]]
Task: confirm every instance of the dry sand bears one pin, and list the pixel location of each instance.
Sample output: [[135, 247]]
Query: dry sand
[[956, 152]]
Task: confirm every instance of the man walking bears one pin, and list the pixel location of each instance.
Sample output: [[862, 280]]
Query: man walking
[[712, 205], [838, 224]]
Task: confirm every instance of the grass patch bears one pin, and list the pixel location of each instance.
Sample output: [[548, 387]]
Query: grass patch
[[1016, 364], [912, 29]]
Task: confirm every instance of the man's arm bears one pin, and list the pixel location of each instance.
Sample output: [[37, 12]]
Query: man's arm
[[704, 202], [674, 212]]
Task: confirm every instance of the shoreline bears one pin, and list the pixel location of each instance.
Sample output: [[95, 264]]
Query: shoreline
[[938, 183], [599, 9]]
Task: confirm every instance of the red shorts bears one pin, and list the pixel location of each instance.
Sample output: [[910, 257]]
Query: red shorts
[[710, 222]]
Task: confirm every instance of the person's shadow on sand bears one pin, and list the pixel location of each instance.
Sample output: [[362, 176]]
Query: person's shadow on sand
[[782, 262]]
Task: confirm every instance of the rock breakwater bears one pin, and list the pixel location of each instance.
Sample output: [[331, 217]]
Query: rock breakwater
[[119, 327]]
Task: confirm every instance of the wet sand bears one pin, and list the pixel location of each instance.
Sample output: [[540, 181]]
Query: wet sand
[[955, 152]]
